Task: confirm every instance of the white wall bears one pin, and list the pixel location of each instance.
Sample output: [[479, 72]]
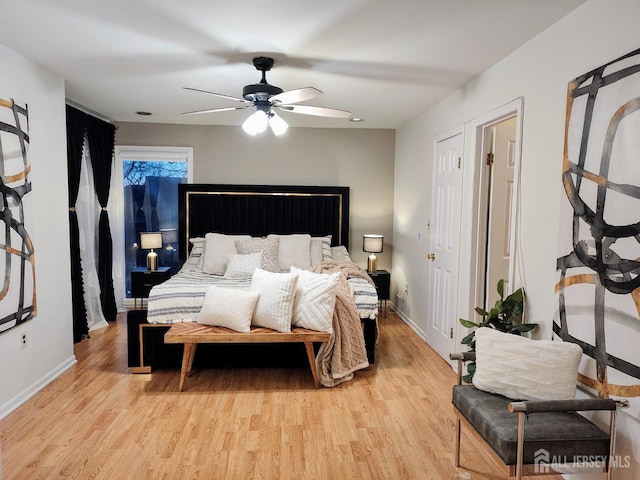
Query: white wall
[[597, 32], [50, 339], [361, 159]]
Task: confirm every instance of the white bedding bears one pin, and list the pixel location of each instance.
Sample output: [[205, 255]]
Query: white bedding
[[180, 298]]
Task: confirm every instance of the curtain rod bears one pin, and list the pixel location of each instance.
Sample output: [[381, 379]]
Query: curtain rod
[[89, 111]]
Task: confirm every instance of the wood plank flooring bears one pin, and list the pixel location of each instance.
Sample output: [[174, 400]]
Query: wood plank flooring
[[394, 421]]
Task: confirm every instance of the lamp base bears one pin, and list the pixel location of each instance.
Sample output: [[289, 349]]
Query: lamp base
[[372, 263], [152, 261]]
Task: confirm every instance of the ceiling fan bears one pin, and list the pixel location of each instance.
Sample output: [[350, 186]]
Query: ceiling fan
[[267, 99]]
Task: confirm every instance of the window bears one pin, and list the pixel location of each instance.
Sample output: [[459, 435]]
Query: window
[[148, 179]]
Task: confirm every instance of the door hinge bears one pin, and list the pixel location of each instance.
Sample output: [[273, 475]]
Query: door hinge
[[489, 158], [451, 333]]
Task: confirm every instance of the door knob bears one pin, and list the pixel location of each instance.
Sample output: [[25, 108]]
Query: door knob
[[431, 256]]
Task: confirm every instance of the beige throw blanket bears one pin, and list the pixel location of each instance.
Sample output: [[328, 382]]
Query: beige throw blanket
[[345, 352]]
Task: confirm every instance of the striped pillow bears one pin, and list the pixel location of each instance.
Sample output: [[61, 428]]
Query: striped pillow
[[196, 256]]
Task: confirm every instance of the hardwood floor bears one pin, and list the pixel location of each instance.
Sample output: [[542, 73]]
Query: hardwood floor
[[97, 421]]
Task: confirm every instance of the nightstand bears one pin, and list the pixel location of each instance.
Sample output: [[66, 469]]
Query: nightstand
[[382, 280], [142, 280]]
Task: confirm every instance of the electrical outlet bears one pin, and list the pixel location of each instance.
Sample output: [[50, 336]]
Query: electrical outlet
[[23, 340]]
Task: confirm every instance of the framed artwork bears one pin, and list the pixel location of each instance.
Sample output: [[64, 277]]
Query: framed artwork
[[18, 294], [598, 264]]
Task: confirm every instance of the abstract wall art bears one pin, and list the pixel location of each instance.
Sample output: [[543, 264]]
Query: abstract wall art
[[598, 264], [18, 293]]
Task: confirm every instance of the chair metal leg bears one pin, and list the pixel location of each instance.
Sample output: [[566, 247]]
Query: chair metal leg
[[457, 454], [612, 445], [519, 458]]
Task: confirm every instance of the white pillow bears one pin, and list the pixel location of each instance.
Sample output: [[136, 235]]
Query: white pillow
[[275, 305], [242, 266], [217, 247], [523, 369], [228, 307], [340, 254], [196, 255], [315, 300], [294, 251], [267, 246], [315, 251]]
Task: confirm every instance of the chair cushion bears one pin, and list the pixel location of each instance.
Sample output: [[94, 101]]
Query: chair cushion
[[561, 434]]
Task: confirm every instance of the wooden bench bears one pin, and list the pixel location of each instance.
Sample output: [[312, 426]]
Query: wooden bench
[[191, 334]]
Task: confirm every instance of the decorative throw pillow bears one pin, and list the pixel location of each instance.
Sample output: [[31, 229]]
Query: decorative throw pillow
[[523, 369], [326, 248], [315, 251], [320, 249], [267, 246], [228, 307], [294, 251], [315, 300], [196, 255], [340, 254], [217, 247], [242, 266], [275, 305]]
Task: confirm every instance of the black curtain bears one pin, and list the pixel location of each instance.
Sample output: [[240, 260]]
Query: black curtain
[[101, 136], [76, 128], [140, 223], [153, 186]]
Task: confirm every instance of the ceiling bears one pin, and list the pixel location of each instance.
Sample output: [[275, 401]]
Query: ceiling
[[386, 61]]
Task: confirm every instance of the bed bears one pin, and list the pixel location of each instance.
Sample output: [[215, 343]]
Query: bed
[[321, 212]]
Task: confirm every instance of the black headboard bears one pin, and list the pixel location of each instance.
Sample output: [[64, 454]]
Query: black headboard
[[259, 210]]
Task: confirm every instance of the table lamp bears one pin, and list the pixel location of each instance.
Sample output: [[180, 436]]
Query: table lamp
[[372, 244], [149, 241]]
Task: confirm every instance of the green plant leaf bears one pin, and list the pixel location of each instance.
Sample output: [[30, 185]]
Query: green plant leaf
[[471, 370], [468, 339], [467, 323], [481, 312], [501, 288], [525, 327]]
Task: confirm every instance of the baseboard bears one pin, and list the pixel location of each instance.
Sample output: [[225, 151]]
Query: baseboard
[[34, 388], [411, 324]]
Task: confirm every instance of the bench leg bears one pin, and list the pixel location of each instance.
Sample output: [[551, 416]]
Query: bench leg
[[187, 363], [141, 368], [312, 362]]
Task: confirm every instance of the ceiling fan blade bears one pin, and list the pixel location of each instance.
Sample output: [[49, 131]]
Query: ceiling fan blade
[[318, 111], [222, 95], [295, 96], [215, 110]]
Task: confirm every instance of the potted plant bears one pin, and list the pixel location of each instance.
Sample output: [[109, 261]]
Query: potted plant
[[505, 316]]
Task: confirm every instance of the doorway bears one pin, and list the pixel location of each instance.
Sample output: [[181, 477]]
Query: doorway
[[497, 138], [500, 166]]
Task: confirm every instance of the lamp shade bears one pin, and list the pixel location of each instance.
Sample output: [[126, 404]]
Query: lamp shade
[[256, 123], [169, 235], [277, 124], [150, 240], [371, 243]]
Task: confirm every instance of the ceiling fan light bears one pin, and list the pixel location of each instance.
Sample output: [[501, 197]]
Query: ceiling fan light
[[256, 123], [277, 124]]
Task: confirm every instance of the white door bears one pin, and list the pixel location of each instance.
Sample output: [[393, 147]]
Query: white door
[[500, 207], [444, 244]]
